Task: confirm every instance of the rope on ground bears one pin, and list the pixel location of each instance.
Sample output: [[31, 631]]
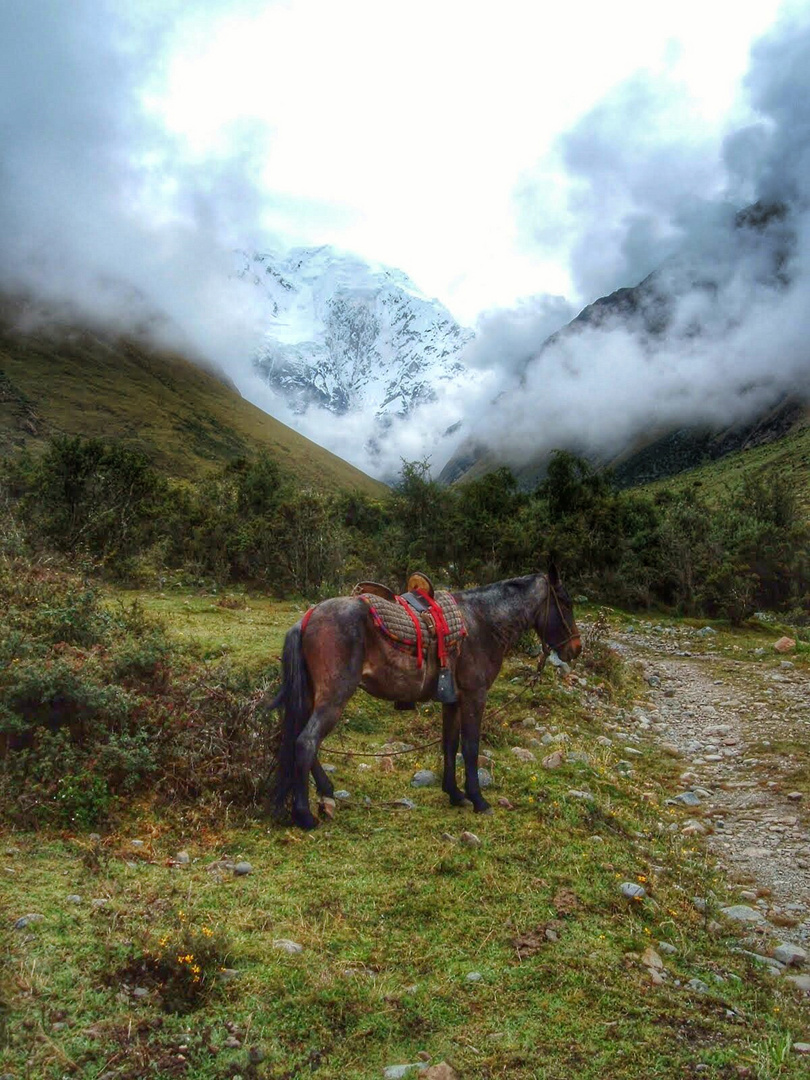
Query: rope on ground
[[530, 684]]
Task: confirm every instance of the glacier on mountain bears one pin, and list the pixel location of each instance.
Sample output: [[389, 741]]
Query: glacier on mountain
[[351, 337]]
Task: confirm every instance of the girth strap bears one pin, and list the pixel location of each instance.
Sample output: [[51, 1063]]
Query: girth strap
[[439, 621]]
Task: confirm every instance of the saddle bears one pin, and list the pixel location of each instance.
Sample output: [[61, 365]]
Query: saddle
[[417, 621]]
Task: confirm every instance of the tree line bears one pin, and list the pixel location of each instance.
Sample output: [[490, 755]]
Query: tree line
[[251, 524]]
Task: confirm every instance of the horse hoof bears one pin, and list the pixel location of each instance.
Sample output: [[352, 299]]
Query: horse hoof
[[305, 820], [459, 800], [483, 807]]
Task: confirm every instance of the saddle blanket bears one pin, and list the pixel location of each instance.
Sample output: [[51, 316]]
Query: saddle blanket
[[396, 622]]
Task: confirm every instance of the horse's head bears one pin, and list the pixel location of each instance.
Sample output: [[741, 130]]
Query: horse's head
[[556, 626]]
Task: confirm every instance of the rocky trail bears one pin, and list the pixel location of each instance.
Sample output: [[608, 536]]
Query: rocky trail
[[742, 728]]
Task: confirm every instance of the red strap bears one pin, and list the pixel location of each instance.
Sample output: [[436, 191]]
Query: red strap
[[442, 629], [416, 625], [306, 618]]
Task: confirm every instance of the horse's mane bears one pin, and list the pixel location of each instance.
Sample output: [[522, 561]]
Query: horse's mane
[[520, 584]]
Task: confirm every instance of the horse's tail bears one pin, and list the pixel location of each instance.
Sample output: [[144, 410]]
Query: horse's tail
[[294, 702]]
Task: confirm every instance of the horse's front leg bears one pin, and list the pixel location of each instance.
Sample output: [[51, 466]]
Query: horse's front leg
[[472, 711], [450, 736]]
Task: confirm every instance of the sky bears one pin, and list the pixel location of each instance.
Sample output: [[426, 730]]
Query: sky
[[426, 136], [515, 160]]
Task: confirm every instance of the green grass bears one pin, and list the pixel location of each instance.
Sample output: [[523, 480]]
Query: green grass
[[186, 419], [788, 457], [392, 916]]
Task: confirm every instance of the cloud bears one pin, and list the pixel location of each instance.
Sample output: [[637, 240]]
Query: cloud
[[99, 208], [721, 328]]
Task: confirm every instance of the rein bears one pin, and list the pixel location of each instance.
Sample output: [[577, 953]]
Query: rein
[[572, 632]]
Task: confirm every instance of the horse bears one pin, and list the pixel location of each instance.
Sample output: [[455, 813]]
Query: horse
[[336, 648]]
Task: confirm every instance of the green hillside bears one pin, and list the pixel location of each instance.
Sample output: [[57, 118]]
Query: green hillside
[[188, 420], [788, 457]]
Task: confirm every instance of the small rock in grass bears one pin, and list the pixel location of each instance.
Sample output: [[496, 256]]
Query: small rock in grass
[[553, 761], [399, 1072], [442, 1071], [227, 974], [801, 982], [651, 959], [795, 796], [343, 795], [667, 948], [574, 794], [182, 858], [504, 803], [329, 768], [470, 839], [100, 902], [449, 838], [686, 798], [631, 891], [707, 631], [27, 920], [577, 758], [801, 1048], [698, 985], [136, 843], [653, 680], [473, 976], [485, 778], [241, 869], [424, 778], [404, 804], [140, 992], [287, 946], [522, 754], [232, 1043], [74, 898], [790, 955], [256, 1055], [784, 645], [742, 913]]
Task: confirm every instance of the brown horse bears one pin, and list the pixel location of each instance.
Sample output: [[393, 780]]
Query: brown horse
[[340, 649]]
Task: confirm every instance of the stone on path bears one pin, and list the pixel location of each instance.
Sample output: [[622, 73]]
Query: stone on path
[[784, 645], [686, 798], [424, 778], [742, 913]]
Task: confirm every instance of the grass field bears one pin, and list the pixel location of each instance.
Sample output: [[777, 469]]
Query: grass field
[[515, 957]]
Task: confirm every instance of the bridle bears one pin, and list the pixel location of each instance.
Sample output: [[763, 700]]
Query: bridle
[[572, 631]]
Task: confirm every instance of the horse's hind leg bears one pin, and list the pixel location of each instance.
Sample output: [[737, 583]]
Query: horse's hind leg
[[323, 784], [306, 749], [472, 710], [450, 735]]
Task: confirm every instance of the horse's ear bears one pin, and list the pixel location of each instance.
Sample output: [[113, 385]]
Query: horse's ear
[[553, 573]]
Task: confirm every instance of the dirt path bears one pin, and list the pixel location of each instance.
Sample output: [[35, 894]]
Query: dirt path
[[743, 729]]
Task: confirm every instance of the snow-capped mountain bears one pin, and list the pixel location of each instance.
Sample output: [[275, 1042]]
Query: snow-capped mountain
[[350, 336]]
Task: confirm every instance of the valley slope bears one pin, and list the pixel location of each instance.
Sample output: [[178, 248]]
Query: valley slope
[[77, 381]]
